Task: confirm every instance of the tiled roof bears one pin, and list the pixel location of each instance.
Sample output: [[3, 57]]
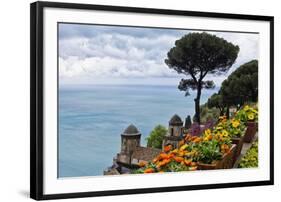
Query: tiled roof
[[145, 153]]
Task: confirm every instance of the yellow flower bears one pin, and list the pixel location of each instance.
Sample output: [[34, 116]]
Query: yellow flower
[[246, 108], [235, 123], [219, 128], [217, 136], [181, 153], [207, 132], [255, 111], [251, 116], [174, 151], [183, 147], [224, 133]]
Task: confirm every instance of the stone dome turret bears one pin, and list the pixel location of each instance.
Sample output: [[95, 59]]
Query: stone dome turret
[[131, 130], [175, 121]]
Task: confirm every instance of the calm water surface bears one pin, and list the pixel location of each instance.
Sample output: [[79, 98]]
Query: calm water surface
[[91, 119]]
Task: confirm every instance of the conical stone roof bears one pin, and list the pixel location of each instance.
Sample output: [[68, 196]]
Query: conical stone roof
[[175, 120], [131, 130]]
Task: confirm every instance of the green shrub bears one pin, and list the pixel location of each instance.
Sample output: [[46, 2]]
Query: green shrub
[[208, 113], [156, 137], [208, 151]]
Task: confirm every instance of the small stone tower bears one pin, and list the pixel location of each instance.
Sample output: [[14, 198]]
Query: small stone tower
[[130, 140], [175, 126], [175, 131]]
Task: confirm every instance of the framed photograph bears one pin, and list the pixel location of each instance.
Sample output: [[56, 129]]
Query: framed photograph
[[131, 100]]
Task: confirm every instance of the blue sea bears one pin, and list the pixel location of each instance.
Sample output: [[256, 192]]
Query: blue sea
[[91, 119]]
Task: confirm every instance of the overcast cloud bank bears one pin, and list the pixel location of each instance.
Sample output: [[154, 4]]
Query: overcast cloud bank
[[92, 54]]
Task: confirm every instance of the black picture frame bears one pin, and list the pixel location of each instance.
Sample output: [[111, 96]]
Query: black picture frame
[[36, 98]]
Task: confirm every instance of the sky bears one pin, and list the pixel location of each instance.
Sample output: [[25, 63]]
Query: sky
[[110, 55]]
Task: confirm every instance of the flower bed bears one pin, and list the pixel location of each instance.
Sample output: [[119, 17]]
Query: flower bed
[[225, 163], [235, 129], [192, 154], [249, 116], [217, 148]]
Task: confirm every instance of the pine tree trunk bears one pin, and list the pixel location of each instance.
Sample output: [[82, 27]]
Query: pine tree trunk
[[227, 112], [197, 105], [221, 111]]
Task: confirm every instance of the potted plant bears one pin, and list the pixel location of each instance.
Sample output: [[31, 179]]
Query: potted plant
[[249, 115], [235, 129], [225, 162], [215, 151]]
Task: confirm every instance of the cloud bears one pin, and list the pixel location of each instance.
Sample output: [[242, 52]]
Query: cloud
[[107, 67], [90, 53], [118, 46], [89, 31]]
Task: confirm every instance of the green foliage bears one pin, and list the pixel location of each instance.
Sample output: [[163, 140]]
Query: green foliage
[[137, 171], [175, 167], [141, 170], [156, 137], [199, 54], [216, 100], [236, 131], [241, 86], [207, 113], [208, 151], [250, 160]]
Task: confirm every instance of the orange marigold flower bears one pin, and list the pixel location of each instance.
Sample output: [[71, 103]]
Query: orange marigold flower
[[142, 163], [178, 159], [193, 164], [167, 148], [187, 137], [155, 159], [225, 148], [149, 170], [181, 143], [163, 156], [171, 155], [181, 153], [187, 162], [163, 163], [197, 140], [166, 161]]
